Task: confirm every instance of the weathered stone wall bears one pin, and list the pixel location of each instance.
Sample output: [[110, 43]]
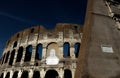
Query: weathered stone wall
[[100, 48], [18, 44]]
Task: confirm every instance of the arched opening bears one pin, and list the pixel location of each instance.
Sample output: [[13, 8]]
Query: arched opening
[[36, 74], [66, 49], [76, 29], [51, 74], [39, 52], [15, 75], [24, 74], [67, 73], [7, 57], [28, 53], [7, 75], [1, 76], [76, 49], [32, 30], [18, 35], [15, 44], [3, 58], [19, 55], [12, 57]]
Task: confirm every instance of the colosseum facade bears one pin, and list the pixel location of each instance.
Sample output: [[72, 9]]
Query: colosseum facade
[[38, 52]]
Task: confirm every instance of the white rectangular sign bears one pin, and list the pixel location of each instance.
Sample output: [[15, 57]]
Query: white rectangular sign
[[107, 48]]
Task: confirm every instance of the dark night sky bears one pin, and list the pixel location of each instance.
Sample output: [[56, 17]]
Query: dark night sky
[[16, 15]]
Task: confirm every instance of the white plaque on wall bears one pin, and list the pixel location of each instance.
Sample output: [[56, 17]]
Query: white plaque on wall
[[107, 48]]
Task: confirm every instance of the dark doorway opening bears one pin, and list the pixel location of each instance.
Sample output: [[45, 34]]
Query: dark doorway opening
[[19, 55], [15, 44], [28, 53], [67, 73], [7, 57], [39, 52], [36, 74], [1, 75], [66, 49], [15, 75], [12, 57], [24, 74], [51, 74], [77, 48]]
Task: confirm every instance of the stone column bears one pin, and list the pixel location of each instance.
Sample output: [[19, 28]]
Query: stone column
[[61, 73], [61, 52], [30, 73], [73, 73], [19, 73], [23, 56], [15, 56], [42, 73], [72, 54], [44, 53], [33, 55], [4, 74], [11, 74]]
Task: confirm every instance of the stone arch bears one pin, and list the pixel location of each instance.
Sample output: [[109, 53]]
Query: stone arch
[[19, 54], [7, 75], [66, 49], [1, 76], [28, 53], [36, 74], [15, 75], [67, 73], [76, 49], [24, 74], [8, 53], [15, 44], [51, 74], [55, 46], [12, 57], [3, 58], [39, 49]]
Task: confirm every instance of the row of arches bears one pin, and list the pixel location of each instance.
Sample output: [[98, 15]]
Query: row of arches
[[36, 74], [38, 54]]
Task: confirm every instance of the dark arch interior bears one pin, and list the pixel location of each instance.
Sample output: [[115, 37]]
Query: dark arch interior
[[67, 73], [77, 48], [15, 44], [12, 57], [19, 55], [39, 51], [15, 75], [1, 75], [36, 74], [7, 57], [24, 74], [51, 74], [18, 35], [28, 53], [32, 30], [7, 75], [66, 49]]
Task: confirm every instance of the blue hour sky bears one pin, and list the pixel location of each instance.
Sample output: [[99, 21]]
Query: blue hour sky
[[16, 15]]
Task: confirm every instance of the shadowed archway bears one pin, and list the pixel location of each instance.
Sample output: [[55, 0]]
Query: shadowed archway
[[51, 74]]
